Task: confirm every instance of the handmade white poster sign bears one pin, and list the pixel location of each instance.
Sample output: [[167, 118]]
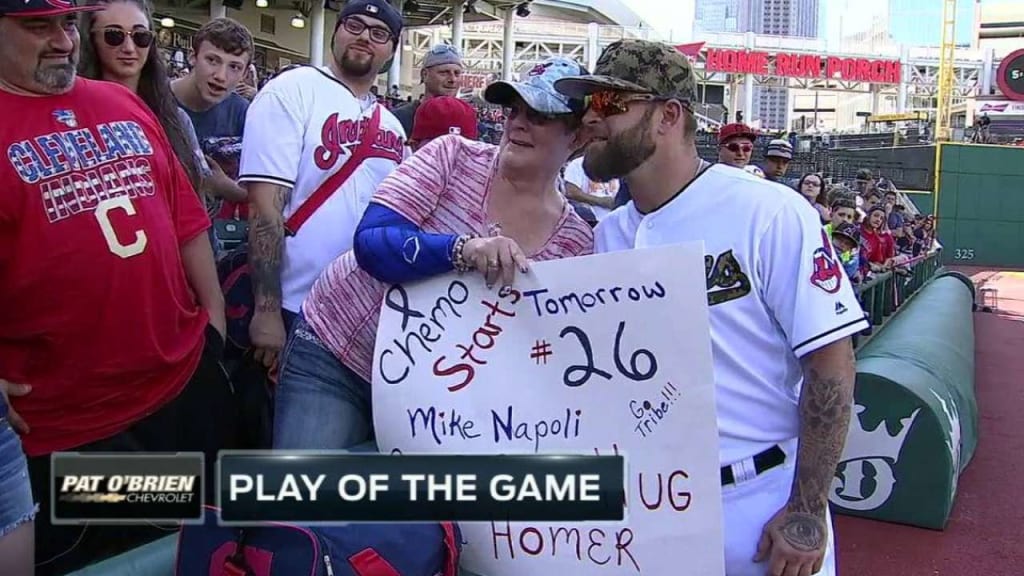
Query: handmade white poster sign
[[602, 354]]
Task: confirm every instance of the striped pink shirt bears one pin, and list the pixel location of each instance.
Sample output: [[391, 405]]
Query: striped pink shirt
[[443, 189]]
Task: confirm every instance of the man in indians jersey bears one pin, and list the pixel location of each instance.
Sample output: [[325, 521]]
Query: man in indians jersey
[[302, 127], [112, 318]]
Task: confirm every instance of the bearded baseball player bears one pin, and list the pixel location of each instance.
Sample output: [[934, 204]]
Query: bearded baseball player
[[302, 127], [782, 311]]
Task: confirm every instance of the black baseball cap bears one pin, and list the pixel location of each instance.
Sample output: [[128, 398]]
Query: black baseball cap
[[43, 8], [851, 231]]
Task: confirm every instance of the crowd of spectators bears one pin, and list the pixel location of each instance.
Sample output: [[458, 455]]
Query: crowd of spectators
[[867, 217], [874, 227], [205, 116], [887, 234]]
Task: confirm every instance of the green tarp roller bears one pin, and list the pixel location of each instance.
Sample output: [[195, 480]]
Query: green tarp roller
[[915, 420]]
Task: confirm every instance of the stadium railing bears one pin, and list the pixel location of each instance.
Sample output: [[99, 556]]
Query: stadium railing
[[884, 293]]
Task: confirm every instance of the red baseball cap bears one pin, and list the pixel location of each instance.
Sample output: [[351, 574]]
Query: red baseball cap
[[443, 115], [736, 129], [42, 8]]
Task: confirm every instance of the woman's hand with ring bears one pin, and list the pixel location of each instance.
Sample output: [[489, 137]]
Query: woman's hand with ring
[[496, 257]]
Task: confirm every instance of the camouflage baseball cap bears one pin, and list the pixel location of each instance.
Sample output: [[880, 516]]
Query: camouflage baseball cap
[[638, 66], [536, 87]]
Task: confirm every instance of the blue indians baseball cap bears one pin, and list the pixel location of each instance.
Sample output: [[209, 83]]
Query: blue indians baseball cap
[[537, 88], [43, 8], [380, 9]]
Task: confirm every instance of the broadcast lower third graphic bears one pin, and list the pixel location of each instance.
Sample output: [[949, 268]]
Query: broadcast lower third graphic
[[540, 351]]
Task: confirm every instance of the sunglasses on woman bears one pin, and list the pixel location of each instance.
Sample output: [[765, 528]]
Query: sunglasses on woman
[[532, 116], [114, 37], [736, 147], [378, 34], [607, 103]]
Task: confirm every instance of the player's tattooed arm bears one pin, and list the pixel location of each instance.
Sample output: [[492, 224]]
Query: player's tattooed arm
[[266, 243], [825, 408]]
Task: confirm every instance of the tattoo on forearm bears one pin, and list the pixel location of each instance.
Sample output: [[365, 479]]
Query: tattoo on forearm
[[825, 407], [265, 252], [803, 532]]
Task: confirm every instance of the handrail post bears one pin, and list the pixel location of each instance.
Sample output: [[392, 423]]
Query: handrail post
[[900, 286], [888, 287], [878, 308]]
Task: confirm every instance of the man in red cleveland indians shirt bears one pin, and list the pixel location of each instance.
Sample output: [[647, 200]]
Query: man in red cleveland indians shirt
[[110, 311]]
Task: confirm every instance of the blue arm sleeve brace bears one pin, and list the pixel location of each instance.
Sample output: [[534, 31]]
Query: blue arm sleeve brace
[[393, 249]]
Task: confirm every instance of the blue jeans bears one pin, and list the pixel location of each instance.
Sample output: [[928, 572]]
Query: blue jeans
[[320, 403], [16, 504]]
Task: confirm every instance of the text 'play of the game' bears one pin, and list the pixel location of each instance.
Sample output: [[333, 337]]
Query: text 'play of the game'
[[403, 488]]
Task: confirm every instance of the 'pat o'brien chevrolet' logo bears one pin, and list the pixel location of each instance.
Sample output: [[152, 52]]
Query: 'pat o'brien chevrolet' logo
[[153, 489], [126, 488]]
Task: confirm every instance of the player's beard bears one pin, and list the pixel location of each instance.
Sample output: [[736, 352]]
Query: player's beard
[[56, 78], [355, 63], [620, 155]]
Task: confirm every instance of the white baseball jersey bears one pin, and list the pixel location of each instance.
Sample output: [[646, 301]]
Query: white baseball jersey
[[302, 127], [776, 291]]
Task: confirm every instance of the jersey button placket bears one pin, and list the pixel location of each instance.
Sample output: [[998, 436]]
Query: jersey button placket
[[645, 235]]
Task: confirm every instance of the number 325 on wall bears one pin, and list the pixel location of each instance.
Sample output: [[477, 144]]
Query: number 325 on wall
[[114, 244], [963, 254]]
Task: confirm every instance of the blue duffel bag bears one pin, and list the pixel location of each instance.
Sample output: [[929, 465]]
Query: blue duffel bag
[[277, 549], [345, 550]]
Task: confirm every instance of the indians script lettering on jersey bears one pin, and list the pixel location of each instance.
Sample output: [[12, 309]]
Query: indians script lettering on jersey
[[341, 135], [77, 169], [302, 128], [725, 277]]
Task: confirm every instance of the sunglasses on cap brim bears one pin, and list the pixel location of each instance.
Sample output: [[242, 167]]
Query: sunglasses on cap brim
[[443, 49]]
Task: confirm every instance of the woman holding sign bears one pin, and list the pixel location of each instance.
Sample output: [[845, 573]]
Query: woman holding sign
[[455, 205]]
